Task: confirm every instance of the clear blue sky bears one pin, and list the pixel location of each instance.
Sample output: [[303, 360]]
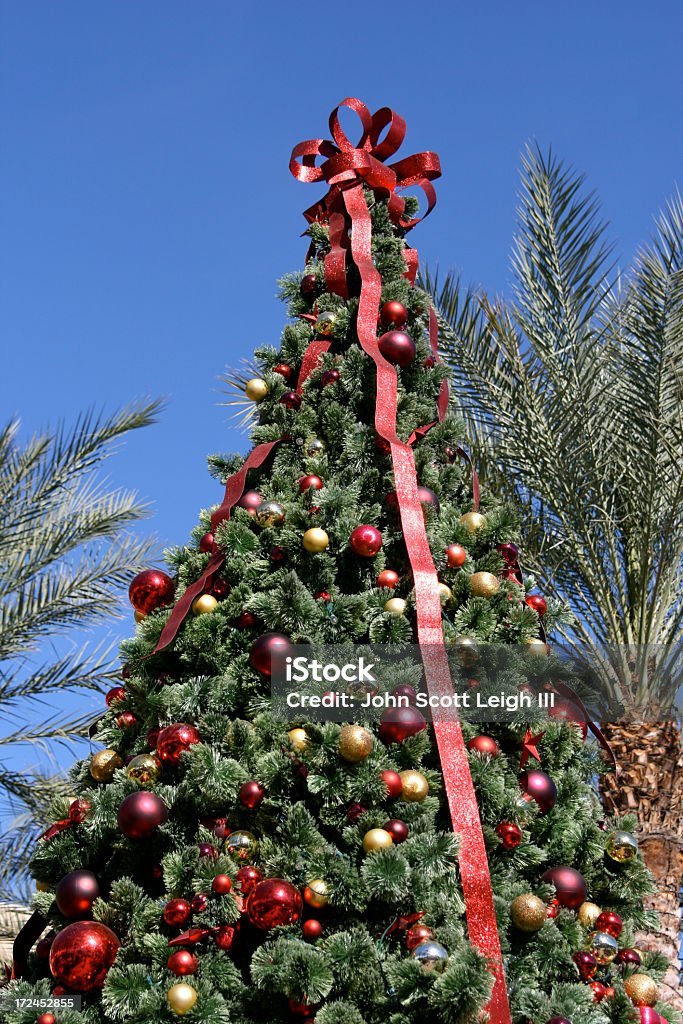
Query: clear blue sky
[[147, 206]]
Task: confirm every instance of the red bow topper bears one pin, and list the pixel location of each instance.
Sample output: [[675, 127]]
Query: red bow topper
[[77, 813]]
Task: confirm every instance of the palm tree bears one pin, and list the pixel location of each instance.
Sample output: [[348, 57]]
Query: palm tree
[[66, 551], [573, 394]]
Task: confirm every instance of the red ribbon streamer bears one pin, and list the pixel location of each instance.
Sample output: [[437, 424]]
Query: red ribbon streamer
[[348, 168], [310, 361]]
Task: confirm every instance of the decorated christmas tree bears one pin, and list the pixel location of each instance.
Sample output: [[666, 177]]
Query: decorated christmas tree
[[219, 863]]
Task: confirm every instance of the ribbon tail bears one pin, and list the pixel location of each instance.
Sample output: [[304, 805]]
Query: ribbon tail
[[30, 932], [183, 606], [310, 361], [566, 691]]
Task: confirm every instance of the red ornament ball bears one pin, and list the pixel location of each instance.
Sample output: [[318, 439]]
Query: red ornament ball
[[393, 314], [140, 815], [291, 400], [306, 482], [274, 902], [199, 902], [398, 348], [510, 835], [248, 877], [283, 369], [182, 962], [308, 285], [397, 829], [277, 554], [220, 589], [599, 991], [537, 603], [570, 888], [81, 955], [150, 590], [586, 964], [221, 884], [245, 621], [250, 501], [126, 720], [450, 453], [484, 745], [323, 595], [206, 543], [455, 556], [393, 783], [114, 695], [177, 913], [540, 788], [397, 724], [405, 690], [628, 957], [207, 850], [224, 936], [263, 649], [609, 922], [312, 929], [46, 1018], [558, 1020], [387, 579], [76, 893], [251, 794], [418, 934], [328, 377], [174, 740], [365, 541], [509, 553], [429, 497]]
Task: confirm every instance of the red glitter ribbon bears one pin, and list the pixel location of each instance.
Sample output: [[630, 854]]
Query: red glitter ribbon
[[348, 168]]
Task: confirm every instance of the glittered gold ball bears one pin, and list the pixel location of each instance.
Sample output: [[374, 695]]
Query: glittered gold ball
[[604, 947], [395, 606], [445, 593], [242, 845], [139, 616], [641, 990], [355, 743], [467, 650], [315, 540], [256, 389], [314, 447], [181, 998], [621, 846], [534, 645], [588, 914], [414, 786], [528, 913], [204, 604], [484, 584], [298, 738], [324, 325], [144, 769], [317, 893], [103, 764], [473, 521], [377, 839], [269, 513]]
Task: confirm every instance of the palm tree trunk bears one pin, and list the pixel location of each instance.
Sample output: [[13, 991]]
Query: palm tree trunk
[[649, 783]]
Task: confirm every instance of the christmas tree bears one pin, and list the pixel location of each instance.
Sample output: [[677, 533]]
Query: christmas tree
[[219, 863]]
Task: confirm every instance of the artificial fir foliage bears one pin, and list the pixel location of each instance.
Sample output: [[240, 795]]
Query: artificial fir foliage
[[260, 871]]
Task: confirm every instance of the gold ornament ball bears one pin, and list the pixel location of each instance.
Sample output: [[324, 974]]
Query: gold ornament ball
[[242, 845], [377, 839], [484, 584], [621, 846], [144, 769], [528, 912], [324, 325], [355, 743], [395, 606], [298, 738], [103, 764], [315, 540], [641, 990], [269, 513], [445, 593], [536, 646], [204, 604], [588, 914], [139, 616], [604, 947], [314, 447], [467, 650], [317, 893], [414, 786], [473, 521], [181, 998], [256, 389]]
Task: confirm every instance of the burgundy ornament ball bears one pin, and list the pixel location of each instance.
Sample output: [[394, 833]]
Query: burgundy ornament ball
[[248, 877], [284, 370], [308, 285], [250, 501], [177, 913], [397, 724], [392, 781], [199, 902], [312, 929], [174, 740], [207, 850], [570, 888], [310, 481], [510, 835], [365, 540], [245, 621], [398, 348], [126, 720], [509, 553], [220, 589], [274, 902], [397, 829], [537, 603], [114, 695], [182, 963], [222, 884], [152, 737], [140, 815], [76, 893], [540, 788], [291, 400], [277, 554], [355, 812], [609, 922], [42, 949], [484, 745], [405, 690], [393, 314], [456, 556], [628, 957], [81, 955], [559, 1020], [260, 656], [251, 794], [150, 590], [328, 377], [206, 543], [586, 965]]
